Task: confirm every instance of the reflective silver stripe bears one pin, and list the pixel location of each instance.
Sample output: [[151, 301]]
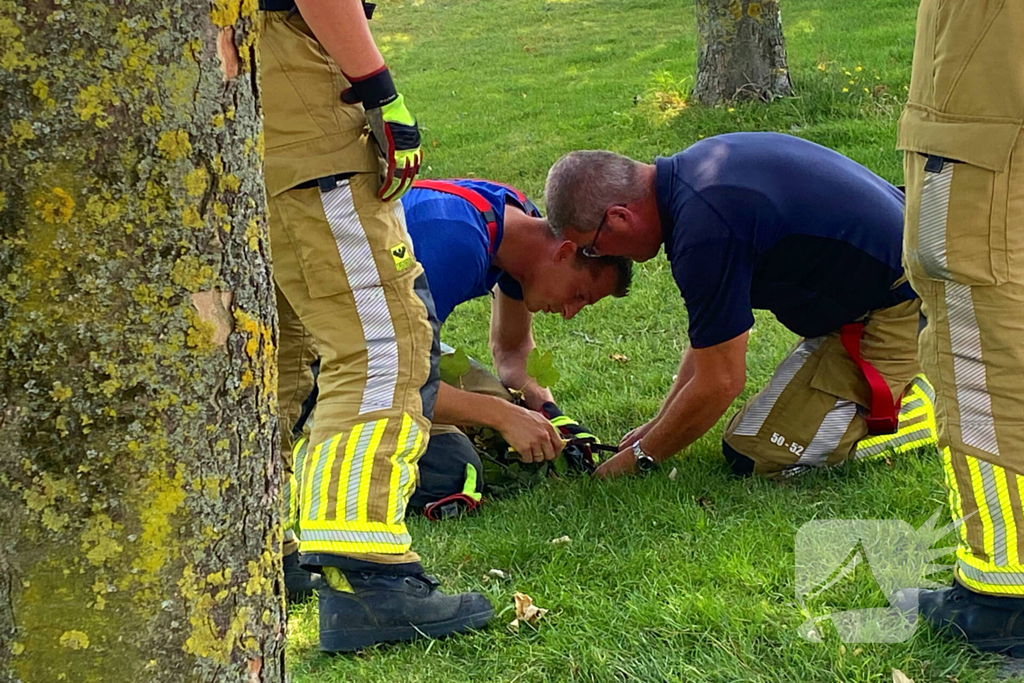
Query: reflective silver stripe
[[355, 471], [925, 387], [894, 442], [762, 405], [322, 456], [406, 472], [830, 433], [344, 536], [977, 427], [995, 512], [371, 303], [995, 578], [931, 224], [911, 405]]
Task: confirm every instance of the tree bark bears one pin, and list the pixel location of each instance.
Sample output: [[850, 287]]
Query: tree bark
[[741, 53], [139, 484]]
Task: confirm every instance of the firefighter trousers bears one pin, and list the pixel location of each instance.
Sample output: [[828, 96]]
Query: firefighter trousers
[[811, 413], [965, 257], [350, 290]]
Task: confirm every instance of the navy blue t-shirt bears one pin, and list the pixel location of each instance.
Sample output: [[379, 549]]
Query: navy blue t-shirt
[[450, 239], [770, 221]]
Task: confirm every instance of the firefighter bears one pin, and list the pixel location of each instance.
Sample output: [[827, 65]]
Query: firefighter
[[348, 284], [765, 221], [477, 238], [961, 132]]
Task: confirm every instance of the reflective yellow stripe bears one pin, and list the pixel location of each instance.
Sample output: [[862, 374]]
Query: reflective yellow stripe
[[1008, 522], [983, 511], [396, 470], [410, 460], [307, 478], [346, 468], [336, 536], [363, 500]]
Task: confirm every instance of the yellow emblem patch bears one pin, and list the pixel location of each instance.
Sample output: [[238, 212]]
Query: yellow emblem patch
[[402, 256]]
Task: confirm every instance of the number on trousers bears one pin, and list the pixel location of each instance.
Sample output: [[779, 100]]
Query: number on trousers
[[796, 449], [778, 439]]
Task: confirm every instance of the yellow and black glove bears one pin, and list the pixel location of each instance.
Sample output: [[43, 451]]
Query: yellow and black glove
[[394, 130]]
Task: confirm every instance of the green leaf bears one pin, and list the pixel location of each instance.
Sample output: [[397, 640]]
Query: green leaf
[[540, 365], [453, 366]]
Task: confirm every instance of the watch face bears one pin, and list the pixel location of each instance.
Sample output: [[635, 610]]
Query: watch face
[[645, 463]]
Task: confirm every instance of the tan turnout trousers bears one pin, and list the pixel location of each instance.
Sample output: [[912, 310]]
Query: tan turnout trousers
[[964, 250], [812, 412], [350, 291]]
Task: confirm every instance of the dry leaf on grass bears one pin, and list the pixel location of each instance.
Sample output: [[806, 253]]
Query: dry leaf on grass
[[560, 540], [620, 357], [526, 611], [497, 574], [900, 677], [672, 474]]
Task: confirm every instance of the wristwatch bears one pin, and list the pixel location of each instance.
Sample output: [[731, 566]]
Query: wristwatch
[[644, 462]]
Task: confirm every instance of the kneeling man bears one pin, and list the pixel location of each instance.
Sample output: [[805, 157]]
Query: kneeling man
[[765, 221]]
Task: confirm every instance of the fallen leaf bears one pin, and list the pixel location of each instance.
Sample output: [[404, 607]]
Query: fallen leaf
[[560, 540], [497, 574], [900, 677], [513, 626], [858, 651], [672, 474], [528, 612], [620, 357]]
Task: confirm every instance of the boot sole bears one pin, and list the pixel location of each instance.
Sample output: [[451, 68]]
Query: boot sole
[[1011, 647], [355, 640]]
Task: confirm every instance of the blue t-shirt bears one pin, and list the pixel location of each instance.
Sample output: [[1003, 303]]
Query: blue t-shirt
[[770, 221], [450, 238]]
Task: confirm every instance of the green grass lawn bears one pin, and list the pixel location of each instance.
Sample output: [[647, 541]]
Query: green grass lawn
[[684, 579]]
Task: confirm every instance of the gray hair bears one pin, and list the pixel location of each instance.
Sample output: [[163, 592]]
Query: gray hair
[[582, 185]]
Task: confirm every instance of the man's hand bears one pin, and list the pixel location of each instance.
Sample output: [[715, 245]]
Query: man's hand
[[530, 434], [632, 437], [394, 130], [622, 463]]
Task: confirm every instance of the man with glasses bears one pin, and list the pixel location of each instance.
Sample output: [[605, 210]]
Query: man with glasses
[[765, 221]]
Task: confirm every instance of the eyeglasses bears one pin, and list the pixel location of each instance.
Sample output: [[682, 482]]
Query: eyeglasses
[[591, 251]]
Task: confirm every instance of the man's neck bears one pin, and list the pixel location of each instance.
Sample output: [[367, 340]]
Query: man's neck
[[646, 209], [524, 239]]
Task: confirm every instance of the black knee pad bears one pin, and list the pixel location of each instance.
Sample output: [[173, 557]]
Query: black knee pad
[[741, 465], [443, 468]]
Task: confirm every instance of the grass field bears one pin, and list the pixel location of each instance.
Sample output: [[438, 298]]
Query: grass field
[[685, 579]]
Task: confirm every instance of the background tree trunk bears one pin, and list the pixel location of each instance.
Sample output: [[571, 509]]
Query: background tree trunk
[[139, 487], [741, 54]]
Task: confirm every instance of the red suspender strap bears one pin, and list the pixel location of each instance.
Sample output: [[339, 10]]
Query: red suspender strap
[[471, 196], [883, 417]]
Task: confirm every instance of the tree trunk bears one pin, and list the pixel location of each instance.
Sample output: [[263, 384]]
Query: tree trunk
[[139, 484], [741, 54]]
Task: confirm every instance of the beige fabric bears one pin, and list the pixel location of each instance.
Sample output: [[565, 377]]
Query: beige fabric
[[811, 412], [966, 99], [309, 132], [343, 261]]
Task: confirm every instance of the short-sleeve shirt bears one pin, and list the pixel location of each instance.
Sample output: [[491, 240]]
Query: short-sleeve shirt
[[451, 240], [770, 221]]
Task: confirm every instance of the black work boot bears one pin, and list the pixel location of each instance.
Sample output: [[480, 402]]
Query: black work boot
[[301, 583], [988, 622], [386, 608]]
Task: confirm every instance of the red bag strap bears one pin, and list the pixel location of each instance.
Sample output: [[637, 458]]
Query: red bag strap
[[472, 196], [883, 416]]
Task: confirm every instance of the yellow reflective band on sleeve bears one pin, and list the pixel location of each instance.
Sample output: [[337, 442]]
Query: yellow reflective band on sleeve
[[562, 421], [363, 500], [469, 486], [397, 469]]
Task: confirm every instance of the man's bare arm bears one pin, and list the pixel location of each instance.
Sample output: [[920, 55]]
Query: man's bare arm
[[511, 343], [341, 27]]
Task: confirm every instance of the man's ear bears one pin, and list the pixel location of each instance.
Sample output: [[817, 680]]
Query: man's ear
[[565, 250], [617, 217]]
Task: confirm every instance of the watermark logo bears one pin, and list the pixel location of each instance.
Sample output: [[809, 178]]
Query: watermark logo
[[898, 557]]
